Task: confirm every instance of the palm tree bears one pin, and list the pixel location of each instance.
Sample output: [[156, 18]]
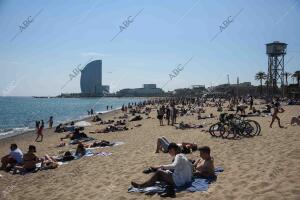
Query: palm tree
[[297, 76], [286, 75], [260, 76]]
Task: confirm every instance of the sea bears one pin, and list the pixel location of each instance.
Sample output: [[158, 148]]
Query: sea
[[18, 114]]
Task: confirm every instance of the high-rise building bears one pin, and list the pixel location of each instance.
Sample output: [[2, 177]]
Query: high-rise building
[[91, 79]]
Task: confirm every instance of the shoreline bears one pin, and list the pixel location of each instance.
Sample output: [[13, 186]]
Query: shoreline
[[32, 130]]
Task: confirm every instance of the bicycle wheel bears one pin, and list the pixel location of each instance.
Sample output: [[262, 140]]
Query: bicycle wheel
[[256, 126], [215, 129], [228, 131], [248, 130]]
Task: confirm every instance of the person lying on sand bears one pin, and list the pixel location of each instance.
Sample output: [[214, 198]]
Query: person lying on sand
[[110, 128], [162, 144], [206, 117], [106, 122], [183, 126], [125, 116], [102, 143], [14, 157], [295, 121], [136, 118], [181, 175], [49, 163], [120, 123], [204, 167], [76, 135]]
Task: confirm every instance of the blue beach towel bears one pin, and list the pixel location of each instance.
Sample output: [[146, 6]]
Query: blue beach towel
[[197, 185]]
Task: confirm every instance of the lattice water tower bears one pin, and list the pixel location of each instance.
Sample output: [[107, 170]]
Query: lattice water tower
[[275, 52]]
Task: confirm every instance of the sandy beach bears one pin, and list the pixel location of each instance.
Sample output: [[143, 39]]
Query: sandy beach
[[263, 167]]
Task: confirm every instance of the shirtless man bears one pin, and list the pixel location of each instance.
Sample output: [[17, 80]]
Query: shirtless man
[[277, 110], [204, 167]]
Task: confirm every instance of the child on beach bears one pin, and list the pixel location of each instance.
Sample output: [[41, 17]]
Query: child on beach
[[40, 132]]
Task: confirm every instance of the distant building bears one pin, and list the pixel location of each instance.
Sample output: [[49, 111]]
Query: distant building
[[148, 90], [91, 79], [149, 86]]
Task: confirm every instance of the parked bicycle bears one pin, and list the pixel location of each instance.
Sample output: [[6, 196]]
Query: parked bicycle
[[233, 127]]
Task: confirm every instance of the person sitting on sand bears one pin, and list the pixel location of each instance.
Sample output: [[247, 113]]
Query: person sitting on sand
[[163, 144], [29, 160], [295, 121], [96, 119], [80, 151], [181, 175], [14, 157], [59, 128], [204, 167]]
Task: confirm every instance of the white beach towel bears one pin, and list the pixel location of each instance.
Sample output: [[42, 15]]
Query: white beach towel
[[82, 124]]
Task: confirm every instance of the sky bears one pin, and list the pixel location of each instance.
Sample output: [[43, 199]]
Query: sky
[[43, 41]]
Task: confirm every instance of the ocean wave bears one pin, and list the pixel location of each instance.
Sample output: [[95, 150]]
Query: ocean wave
[[13, 131]]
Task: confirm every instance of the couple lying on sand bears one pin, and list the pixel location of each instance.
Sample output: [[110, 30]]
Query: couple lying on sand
[[181, 171]]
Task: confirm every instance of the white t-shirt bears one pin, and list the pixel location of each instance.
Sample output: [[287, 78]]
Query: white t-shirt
[[182, 170], [17, 154]]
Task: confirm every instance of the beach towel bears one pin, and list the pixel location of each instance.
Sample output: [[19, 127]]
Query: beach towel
[[82, 124], [197, 185]]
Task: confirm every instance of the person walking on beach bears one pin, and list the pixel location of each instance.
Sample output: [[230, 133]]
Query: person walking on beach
[[92, 111], [168, 114], [107, 107], [160, 116], [277, 110], [251, 102], [172, 112], [50, 122], [40, 132]]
